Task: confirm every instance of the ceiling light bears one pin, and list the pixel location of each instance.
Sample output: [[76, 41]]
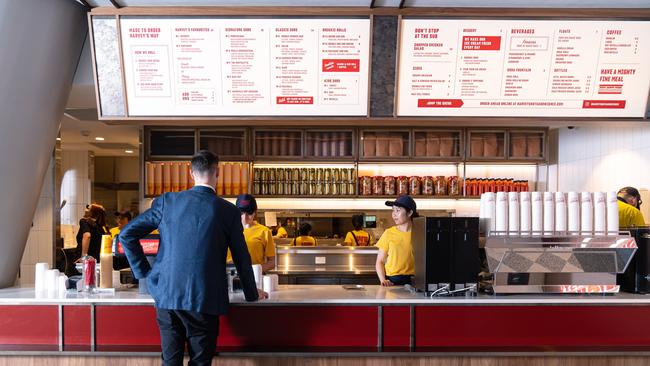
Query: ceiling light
[[128, 151], [99, 138]]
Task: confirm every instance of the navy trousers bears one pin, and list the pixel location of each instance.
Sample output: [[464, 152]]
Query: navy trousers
[[178, 328]]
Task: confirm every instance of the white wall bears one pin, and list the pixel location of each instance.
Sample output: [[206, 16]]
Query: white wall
[[603, 159]]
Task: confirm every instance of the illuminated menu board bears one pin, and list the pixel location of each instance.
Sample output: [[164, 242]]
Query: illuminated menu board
[[246, 67], [524, 68]]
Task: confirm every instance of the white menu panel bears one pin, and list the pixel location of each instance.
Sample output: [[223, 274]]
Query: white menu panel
[[524, 68], [246, 67]]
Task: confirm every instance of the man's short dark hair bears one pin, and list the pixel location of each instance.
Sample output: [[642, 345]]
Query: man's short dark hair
[[357, 222], [305, 229], [204, 162]]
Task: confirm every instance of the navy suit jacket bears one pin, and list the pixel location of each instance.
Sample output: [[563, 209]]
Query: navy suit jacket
[[196, 229]]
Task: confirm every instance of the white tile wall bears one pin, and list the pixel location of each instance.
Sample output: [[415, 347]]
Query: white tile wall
[[603, 158]]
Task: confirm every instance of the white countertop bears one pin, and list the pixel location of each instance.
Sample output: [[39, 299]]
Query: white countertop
[[326, 295]]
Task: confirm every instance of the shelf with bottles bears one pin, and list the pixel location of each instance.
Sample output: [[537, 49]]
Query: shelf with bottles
[[174, 176], [304, 180]]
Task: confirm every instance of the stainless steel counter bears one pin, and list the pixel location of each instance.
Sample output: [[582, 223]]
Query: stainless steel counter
[[330, 295]]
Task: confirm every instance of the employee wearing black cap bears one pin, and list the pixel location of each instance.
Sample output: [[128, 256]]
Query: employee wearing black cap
[[259, 238], [395, 263], [629, 204], [121, 219]]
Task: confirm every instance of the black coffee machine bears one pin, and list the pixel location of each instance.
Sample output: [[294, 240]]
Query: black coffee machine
[[446, 254], [636, 278]]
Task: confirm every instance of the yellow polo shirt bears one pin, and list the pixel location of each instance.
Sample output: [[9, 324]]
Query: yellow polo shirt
[[629, 216], [304, 240], [282, 233], [397, 244], [259, 241], [363, 238], [115, 231]]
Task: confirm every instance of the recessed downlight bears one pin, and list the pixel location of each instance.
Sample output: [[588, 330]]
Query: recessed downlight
[[99, 138]]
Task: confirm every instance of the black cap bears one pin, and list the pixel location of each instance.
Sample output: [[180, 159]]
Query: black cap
[[126, 214], [246, 203], [404, 201], [631, 191]]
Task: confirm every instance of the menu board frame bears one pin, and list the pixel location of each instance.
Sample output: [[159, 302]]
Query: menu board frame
[[363, 77], [455, 103], [501, 13]]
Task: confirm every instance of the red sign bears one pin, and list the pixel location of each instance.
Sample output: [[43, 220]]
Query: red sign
[[481, 43], [294, 100], [149, 246], [605, 104], [340, 65], [440, 103]]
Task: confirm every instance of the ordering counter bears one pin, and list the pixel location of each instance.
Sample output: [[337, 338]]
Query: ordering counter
[[330, 320]]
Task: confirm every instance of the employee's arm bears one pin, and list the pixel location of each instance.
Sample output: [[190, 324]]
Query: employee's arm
[[241, 258], [85, 244], [137, 229], [381, 270], [269, 264]]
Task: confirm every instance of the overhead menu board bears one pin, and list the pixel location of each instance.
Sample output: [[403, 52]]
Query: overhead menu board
[[246, 67], [524, 68]]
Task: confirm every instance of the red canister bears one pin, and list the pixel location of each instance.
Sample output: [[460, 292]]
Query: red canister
[[365, 186], [389, 186], [402, 185], [378, 185], [428, 185], [415, 187]]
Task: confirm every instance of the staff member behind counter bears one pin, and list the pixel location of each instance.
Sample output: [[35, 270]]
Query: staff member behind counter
[[358, 236], [629, 204], [395, 263], [259, 239], [304, 239]]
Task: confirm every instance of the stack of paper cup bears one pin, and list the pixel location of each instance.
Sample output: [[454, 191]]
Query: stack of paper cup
[[537, 212], [586, 213], [573, 205], [513, 213], [270, 283], [612, 213], [39, 277], [501, 218], [525, 213], [62, 284], [52, 281], [257, 272], [549, 213], [600, 213], [560, 212]]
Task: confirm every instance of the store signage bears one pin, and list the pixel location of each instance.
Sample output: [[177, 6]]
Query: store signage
[[524, 68], [246, 67]]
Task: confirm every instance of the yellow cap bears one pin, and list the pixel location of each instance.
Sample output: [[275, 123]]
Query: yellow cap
[[107, 244]]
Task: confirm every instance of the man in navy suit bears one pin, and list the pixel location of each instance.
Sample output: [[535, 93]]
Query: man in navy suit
[[188, 280]]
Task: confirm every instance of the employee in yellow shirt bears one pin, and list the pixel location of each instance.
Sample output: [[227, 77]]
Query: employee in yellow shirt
[[121, 219], [259, 239], [395, 263], [358, 236], [629, 203], [304, 239], [281, 232]]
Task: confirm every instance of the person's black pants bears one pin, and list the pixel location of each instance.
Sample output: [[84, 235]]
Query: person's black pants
[[198, 330], [400, 280]]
